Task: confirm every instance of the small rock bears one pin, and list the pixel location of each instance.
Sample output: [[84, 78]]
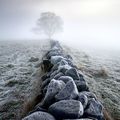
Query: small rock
[[51, 54], [33, 59], [55, 67], [80, 119], [37, 108], [66, 109], [65, 79], [53, 74], [81, 76], [81, 85], [10, 66], [89, 94], [39, 116], [46, 65], [83, 99], [63, 62], [56, 59], [94, 109], [72, 73], [69, 57], [68, 92], [64, 68], [58, 75], [53, 88]]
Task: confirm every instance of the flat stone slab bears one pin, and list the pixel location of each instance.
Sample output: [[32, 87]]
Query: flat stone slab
[[66, 109], [39, 116]]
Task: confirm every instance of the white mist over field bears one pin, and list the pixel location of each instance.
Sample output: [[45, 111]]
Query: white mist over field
[[87, 23]]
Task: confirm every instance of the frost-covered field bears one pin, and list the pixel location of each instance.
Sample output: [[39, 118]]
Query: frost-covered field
[[19, 61], [103, 75]]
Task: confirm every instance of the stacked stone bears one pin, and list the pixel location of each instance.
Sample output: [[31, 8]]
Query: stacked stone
[[66, 94]]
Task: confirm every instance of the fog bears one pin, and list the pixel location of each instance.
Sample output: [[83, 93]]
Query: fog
[[87, 23]]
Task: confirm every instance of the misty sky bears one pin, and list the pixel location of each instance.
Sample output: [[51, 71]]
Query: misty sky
[[93, 23]]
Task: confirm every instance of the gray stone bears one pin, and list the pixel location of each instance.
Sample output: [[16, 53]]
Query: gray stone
[[81, 85], [56, 53], [94, 109], [89, 94], [63, 62], [83, 99], [64, 68], [55, 67], [68, 92], [36, 109], [72, 73], [81, 76], [57, 76], [39, 116], [65, 79], [56, 59], [53, 88], [53, 74], [66, 109], [69, 57]]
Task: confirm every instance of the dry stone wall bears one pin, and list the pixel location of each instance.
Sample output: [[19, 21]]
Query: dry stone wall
[[66, 95]]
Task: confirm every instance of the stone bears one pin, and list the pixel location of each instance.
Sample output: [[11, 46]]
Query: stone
[[81, 76], [72, 73], [64, 68], [89, 94], [39, 116], [63, 62], [69, 57], [45, 83], [68, 92], [53, 74], [37, 108], [65, 109], [53, 88], [94, 109], [65, 79], [55, 67], [56, 59], [46, 65], [83, 99], [81, 85], [44, 90], [33, 59], [57, 76], [55, 53]]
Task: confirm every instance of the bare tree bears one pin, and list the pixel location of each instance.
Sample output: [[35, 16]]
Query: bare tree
[[49, 24]]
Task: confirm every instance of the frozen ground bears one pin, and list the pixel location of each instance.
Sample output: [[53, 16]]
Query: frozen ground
[[18, 79], [19, 62], [102, 70]]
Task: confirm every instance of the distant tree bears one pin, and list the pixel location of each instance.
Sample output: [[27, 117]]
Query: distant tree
[[49, 24]]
